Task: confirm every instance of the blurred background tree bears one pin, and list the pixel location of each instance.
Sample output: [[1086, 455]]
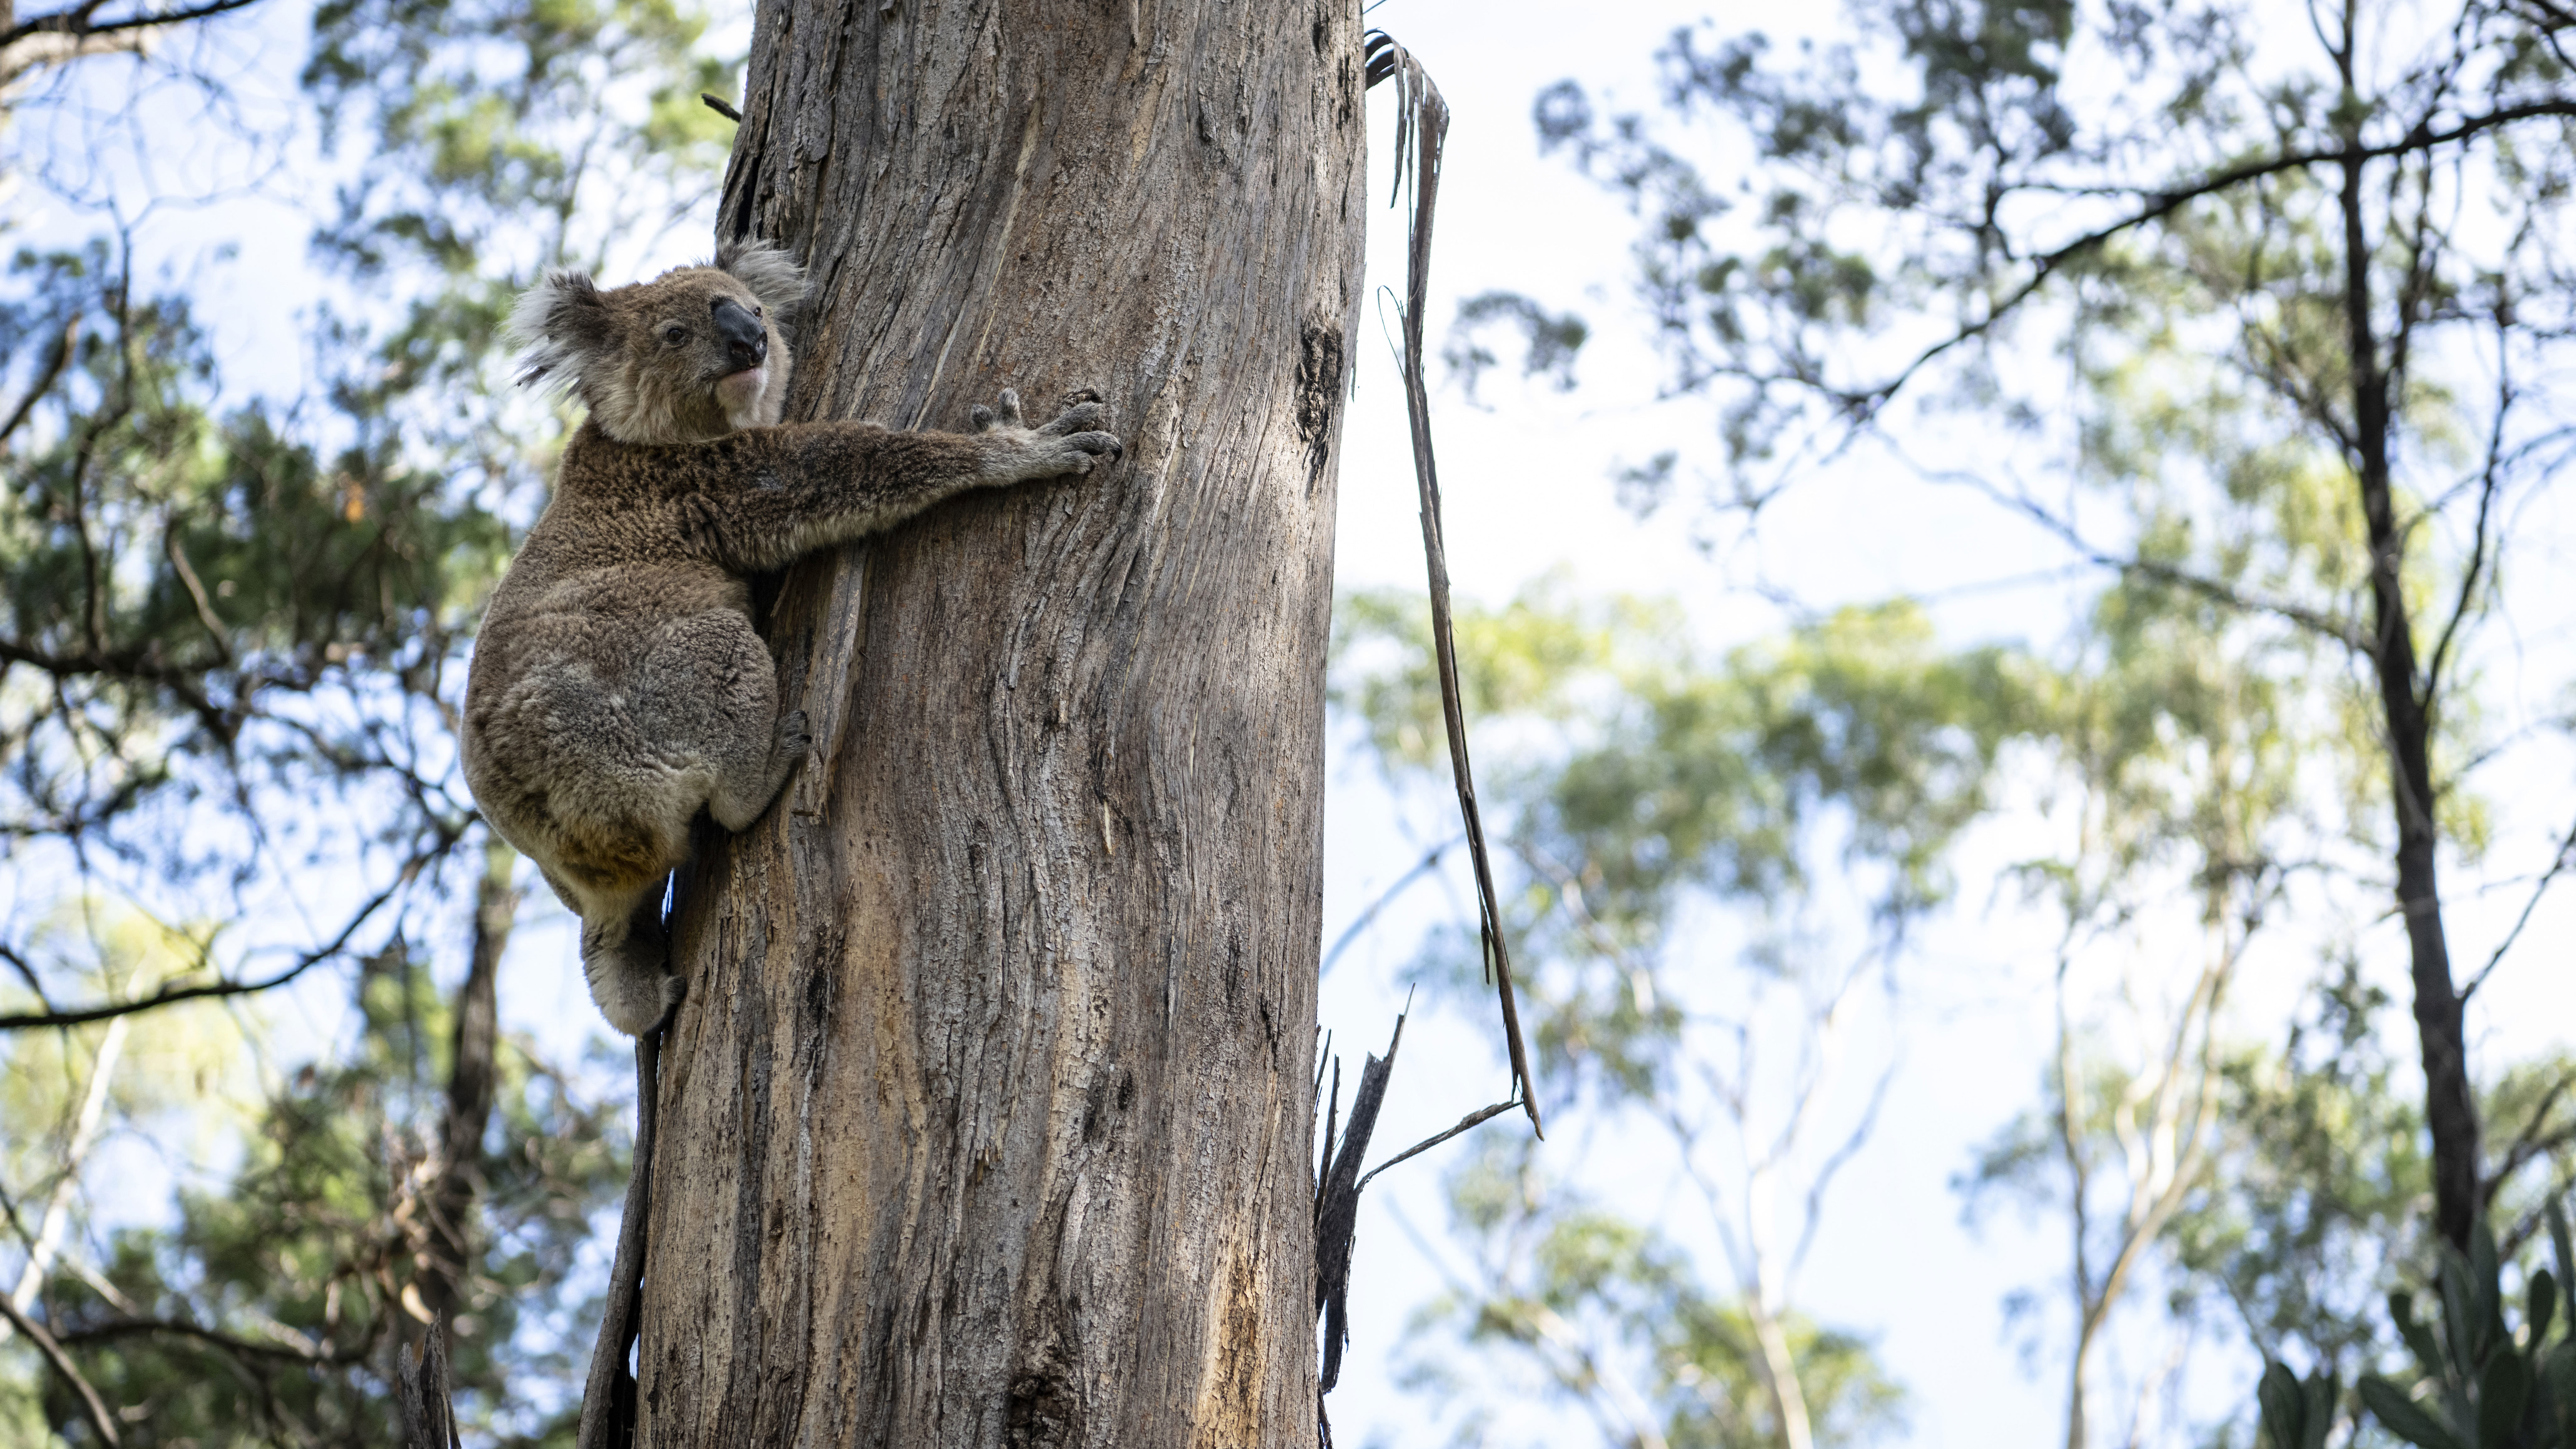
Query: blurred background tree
[[2263, 316], [236, 621], [2248, 271]]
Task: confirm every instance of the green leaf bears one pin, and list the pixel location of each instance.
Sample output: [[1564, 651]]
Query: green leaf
[[2285, 1409], [2419, 1339], [2404, 1417], [2322, 1391], [2558, 1370], [2543, 1306], [2566, 1252], [2501, 1392], [2486, 1295], [2459, 1315]]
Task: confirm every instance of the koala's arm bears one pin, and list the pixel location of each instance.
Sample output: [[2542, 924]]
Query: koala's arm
[[760, 498]]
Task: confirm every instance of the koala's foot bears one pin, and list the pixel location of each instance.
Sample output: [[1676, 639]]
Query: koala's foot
[[795, 737], [628, 965], [787, 750], [675, 989], [746, 796], [1069, 444]]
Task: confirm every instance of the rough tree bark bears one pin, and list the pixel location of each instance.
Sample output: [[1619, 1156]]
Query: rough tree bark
[[987, 1119]]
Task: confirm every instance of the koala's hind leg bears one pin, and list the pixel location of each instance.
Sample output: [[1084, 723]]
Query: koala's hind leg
[[750, 781], [710, 690], [626, 957]]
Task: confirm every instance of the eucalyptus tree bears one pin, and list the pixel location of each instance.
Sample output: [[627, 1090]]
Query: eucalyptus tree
[[2335, 235], [987, 1119], [1690, 842]]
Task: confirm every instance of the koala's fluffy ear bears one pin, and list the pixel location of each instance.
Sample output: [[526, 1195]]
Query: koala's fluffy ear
[[772, 275], [560, 325]]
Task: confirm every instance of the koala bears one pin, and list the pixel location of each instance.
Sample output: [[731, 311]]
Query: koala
[[618, 685]]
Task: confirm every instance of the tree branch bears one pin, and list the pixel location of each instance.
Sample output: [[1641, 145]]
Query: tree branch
[[128, 1327], [2531, 1142], [2164, 573], [2566, 848], [2166, 203], [99, 1418], [172, 995], [2488, 483], [76, 23]]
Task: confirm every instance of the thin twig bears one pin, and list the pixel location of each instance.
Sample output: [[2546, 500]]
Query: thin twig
[[2557, 866], [1352, 932], [206, 616], [55, 361], [1864, 404], [172, 995], [231, 1343], [2217, 592], [26, 973], [1480, 1115]]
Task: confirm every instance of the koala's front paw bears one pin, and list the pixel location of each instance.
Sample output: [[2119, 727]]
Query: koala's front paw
[[1069, 444]]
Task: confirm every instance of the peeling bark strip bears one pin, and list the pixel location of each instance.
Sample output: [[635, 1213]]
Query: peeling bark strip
[[1422, 119], [986, 1120]]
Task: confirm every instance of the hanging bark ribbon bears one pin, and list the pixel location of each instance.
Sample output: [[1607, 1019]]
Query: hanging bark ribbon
[[1422, 123]]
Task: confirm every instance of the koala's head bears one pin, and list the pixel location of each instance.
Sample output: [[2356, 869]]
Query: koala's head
[[693, 354]]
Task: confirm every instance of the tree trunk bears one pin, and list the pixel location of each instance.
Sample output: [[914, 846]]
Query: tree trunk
[[472, 1078], [987, 1119], [2450, 1103]]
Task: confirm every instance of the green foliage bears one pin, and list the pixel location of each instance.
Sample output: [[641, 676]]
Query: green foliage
[[2477, 1384], [2197, 297], [1550, 341], [2318, 1172], [1688, 773], [1613, 1319], [289, 1280], [192, 599], [501, 139], [2297, 1413], [1636, 779]]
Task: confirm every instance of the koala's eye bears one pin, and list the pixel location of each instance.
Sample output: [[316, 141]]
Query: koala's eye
[[675, 334], [756, 313]]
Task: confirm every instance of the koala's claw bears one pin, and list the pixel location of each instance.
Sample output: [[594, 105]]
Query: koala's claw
[[1077, 418], [794, 734], [1006, 412], [1097, 442], [1070, 443]]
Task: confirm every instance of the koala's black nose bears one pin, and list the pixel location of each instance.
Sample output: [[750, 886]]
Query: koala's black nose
[[746, 340]]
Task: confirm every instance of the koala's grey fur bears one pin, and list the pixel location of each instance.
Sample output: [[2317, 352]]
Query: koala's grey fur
[[617, 683]]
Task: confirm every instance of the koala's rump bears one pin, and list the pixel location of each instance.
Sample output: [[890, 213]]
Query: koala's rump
[[594, 754]]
